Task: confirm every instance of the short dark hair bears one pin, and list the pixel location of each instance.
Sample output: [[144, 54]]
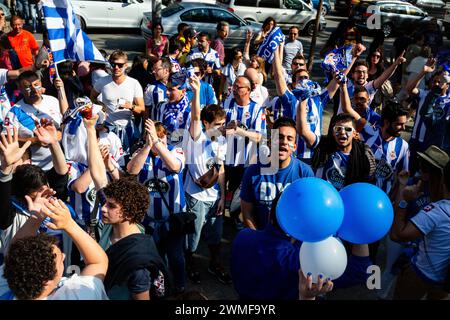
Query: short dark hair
[[447, 175], [29, 264], [181, 26], [296, 72], [212, 112], [294, 27], [342, 117], [174, 45], [156, 25], [200, 63], [284, 122], [26, 179], [203, 34], [359, 89], [392, 110], [360, 63], [132, 196], [28, 75]]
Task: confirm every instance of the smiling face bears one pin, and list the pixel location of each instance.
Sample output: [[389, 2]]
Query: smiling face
[[343, 133], [360, 75], [17, 25], [118, 66], [286, 143], [395, 128]]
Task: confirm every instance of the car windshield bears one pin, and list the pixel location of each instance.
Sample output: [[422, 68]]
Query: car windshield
[[170, 10]]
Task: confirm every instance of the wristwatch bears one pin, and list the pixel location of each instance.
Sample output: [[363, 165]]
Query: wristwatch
[[403, 204]]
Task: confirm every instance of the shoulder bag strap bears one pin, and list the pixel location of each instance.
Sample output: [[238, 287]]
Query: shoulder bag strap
[[157, 185]]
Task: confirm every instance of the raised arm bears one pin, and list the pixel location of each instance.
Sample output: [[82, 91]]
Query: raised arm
[[171, 162], [411, 86], [47, 135], [304, 129], [246, 53], [347, 104], [63, 103], [95, 161], [280, 83], [378, 82], [195, 127], [95, 259]]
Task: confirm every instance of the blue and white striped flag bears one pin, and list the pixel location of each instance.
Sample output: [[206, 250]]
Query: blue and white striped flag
[[67, 40], [270, 44]]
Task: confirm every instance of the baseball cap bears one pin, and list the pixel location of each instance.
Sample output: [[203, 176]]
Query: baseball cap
[[435, 156], [190, 33]]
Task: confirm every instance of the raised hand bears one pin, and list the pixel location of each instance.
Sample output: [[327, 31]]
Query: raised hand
[[58, 212], [107, 159], [10, 151], [46, 133], [90, 123], [357, 50], [150, 129], [194, 81], [35, 205], [430, 65], [308, 290], [400, 59]]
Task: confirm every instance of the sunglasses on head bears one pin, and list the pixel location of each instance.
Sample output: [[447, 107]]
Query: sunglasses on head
[[337, 129], [115, 64]]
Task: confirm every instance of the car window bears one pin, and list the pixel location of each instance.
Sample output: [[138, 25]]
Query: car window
[[196, 15], [269, 4], [390, 8], [170, 10], [247, 3], [415, 11], [222, 15], [293, 4]]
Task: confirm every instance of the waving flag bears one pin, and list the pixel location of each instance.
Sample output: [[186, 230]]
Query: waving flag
[[273, 40], [67, 40]]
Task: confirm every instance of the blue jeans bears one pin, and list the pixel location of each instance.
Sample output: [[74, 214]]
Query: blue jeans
[[172, 247], [207, 221], [23, 7]]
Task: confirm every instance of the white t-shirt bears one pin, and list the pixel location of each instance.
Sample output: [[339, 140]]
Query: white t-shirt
[[48, 108], [202, 154], [111, 92], [98, 74], [434, 223]]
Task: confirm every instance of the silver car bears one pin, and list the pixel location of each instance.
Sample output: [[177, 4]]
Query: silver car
[[286, 13], [203, 17]]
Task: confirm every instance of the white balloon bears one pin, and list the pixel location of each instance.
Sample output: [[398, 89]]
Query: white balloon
[[326, 257]]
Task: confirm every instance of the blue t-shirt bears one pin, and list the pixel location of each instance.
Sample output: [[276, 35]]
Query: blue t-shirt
[[207, 94], [264, 265], [261, 189]]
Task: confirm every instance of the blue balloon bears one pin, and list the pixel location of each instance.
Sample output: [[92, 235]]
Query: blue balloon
[[368, 213], [310, 209]]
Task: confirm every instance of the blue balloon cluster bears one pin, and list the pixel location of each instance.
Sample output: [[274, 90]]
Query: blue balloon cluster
[[311, 210]]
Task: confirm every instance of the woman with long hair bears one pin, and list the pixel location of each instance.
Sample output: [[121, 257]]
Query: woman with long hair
[[268, 25], [375, 60], [157, 45]]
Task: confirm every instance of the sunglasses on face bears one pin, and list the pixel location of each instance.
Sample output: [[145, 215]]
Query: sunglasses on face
[[338, 129], [116, 64]]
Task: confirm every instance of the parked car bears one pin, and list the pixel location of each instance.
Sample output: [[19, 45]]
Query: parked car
[[203, 17], [394, 15], [435, 8], [326, 6], [111, 13], [285, 12], [344, 7]]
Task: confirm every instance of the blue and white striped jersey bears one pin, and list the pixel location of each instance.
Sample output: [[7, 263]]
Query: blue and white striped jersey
[[250, 117], [334, 171], [171, 185], [391, 156], [154, 93], [211, 58], [314, 109], [82, 203], [5, 105]]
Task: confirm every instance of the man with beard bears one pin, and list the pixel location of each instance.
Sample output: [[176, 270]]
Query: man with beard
[[210, 55], [360, 75], [432, 122], [259, 189], [122, 96], [390, 150]]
